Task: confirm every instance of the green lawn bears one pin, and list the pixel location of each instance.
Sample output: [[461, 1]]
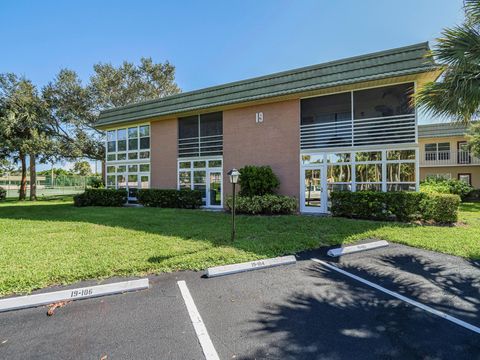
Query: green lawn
[[52, 242]]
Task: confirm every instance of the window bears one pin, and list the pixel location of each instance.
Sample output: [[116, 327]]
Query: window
[[338, 157], [463, 156], [339, 173], [144, 154], [312, 159], [215, 163], [467, 178], [202, 175], [368, 156], [200, 135], [121, 140], [381, 115], [437, 151], [401, 155], [188, 127], [368, 173], [334, 114], [383, 101], [125, 146], [401, 172], [385, 170]]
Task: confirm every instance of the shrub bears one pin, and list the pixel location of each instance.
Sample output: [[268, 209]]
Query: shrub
[[170, 198], [101, 197], [445, 186], [3, 194], [96, 183], [257, 180], [264, 205], [401, 206], [441, 208]]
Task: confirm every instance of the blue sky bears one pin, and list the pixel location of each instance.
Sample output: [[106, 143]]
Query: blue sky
[[209, 42]]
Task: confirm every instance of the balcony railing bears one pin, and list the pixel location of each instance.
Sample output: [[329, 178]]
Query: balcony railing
[[200, 146], [448, 158], [398, 129]]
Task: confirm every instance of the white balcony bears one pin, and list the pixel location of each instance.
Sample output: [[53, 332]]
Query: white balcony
[[448, 158]]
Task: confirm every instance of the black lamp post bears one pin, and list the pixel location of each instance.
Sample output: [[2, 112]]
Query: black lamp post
[[233, 176]]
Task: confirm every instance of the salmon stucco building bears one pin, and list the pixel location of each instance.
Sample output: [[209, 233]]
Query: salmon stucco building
[[347, 124]]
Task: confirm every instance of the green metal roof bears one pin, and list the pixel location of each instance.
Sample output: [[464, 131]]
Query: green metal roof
[[441, 130], [396, 62]]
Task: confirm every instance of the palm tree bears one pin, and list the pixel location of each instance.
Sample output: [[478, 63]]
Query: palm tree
[[457, 96]]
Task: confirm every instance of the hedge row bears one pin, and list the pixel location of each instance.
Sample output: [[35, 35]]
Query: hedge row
[[101, 197], [264, 205], [401, 206], [170, 198]]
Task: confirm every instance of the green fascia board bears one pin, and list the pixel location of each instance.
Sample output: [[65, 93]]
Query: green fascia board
[[396, 62], [441, 130]]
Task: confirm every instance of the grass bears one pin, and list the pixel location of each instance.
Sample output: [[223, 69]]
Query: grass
[[52, 242]]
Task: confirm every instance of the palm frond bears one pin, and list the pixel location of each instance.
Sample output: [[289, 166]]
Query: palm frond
[[472, 11]]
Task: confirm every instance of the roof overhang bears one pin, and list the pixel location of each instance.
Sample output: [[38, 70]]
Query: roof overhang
[[410, 62]]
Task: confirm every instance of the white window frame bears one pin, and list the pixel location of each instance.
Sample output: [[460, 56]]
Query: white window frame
[[207, 170], [128, 162], [323, 166]]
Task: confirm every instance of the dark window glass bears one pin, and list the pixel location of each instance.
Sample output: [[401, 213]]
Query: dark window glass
[[444, 146], [144, 154], [144, 143], [430, 147], [326, 109], [384, 101], [121, 145], [188, 127], [133, 144], [211, 124], [111, 146]]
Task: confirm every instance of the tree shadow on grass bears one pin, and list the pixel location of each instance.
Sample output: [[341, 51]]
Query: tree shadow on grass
[[262, 235], [339, 318]]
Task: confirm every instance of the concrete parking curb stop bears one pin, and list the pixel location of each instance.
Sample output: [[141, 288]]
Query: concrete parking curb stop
[[251, 265], [27, 301], [356, 248]]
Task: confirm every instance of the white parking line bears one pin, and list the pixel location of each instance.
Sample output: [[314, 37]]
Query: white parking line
[[403, 298], [200, 329]]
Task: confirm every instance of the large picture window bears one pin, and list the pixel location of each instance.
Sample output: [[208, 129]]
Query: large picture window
[[200, 135], [382, 115], [128, 158]]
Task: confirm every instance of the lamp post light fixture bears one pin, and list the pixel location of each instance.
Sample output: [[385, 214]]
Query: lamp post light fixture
[[233, 175]]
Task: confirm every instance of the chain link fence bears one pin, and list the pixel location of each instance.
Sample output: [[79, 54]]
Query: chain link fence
[[46, 185]]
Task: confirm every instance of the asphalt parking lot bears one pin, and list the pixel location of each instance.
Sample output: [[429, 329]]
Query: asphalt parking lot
[[302, 311]]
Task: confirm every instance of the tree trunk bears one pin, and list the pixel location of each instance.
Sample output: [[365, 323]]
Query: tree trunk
[[23, 182], [33, 178]]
